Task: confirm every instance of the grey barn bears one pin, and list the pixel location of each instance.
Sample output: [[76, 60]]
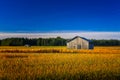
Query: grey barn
[[80, 43]]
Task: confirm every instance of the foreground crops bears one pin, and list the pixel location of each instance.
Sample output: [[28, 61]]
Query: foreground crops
[[73, 66], [60, 49]]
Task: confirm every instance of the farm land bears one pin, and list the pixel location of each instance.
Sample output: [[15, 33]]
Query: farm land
[[59, 63]]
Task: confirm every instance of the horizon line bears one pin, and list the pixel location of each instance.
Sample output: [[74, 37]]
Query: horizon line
[[67, 35]]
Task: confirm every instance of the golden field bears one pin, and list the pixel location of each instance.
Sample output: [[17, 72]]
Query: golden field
[[59, 63], [58, 49]]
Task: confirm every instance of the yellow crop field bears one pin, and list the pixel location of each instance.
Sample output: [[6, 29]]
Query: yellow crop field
[[57, 49], [59, 63]]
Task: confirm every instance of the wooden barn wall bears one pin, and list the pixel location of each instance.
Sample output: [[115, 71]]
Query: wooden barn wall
[[78, 41]]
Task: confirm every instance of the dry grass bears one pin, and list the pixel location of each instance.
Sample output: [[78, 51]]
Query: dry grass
[[105, 65], [56, 49]]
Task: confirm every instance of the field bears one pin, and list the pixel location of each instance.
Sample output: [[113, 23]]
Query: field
[[59, 63]]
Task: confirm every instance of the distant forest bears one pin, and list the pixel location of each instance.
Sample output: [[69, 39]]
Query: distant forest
[[58, 41]]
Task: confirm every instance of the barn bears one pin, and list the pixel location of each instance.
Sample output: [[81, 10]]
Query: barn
[[79, 43]]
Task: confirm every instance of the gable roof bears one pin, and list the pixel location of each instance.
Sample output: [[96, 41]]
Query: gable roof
[[79, 37]]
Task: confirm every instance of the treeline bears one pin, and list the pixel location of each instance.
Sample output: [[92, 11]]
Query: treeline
[[51, 42], [33, 42], [106, 42]]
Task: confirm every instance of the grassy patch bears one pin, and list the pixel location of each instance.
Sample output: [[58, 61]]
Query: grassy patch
[[69, 66]]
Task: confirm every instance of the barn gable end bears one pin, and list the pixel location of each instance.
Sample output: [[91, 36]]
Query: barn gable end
[[79, 43]]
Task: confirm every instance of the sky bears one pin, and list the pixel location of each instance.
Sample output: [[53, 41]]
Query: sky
[[66, 35], [46, 16]]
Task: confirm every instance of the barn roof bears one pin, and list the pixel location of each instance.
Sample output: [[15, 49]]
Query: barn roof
[[79, 37]]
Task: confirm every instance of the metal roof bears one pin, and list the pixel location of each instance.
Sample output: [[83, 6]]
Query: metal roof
[[79, 37]]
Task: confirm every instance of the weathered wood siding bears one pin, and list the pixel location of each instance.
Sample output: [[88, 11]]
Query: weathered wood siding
[[79, 43]]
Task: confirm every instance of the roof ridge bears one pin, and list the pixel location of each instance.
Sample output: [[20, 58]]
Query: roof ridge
[[79, 37]]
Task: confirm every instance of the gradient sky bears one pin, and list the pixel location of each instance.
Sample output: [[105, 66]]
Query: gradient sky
[[59, 15]]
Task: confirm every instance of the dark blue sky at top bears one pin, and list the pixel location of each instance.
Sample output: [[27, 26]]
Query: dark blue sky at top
[[59, 15]]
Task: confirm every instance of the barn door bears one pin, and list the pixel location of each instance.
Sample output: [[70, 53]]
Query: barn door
[[78, 46]]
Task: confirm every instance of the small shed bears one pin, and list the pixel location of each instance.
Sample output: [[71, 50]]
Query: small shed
[[27, 45], [79, 43]]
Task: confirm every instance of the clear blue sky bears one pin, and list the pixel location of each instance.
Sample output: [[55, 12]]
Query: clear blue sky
[[59, 15]]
